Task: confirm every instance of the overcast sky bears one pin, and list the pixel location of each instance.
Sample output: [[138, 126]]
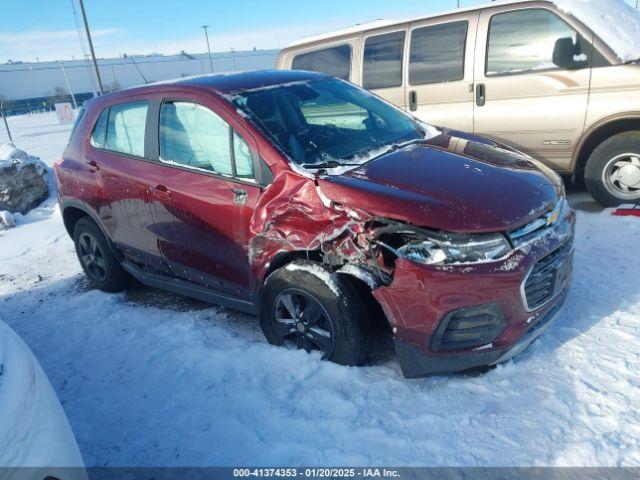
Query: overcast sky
[[46, 29]]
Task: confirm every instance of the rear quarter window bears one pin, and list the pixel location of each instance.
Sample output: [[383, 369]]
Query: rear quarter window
[[99, 133]]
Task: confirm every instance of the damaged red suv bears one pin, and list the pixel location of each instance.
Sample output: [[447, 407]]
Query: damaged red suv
[[310, 202]]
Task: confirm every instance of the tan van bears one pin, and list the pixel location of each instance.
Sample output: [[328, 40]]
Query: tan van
[[559, 80]]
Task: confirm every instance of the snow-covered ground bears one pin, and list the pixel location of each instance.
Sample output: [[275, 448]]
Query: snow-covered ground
[[150, 379]]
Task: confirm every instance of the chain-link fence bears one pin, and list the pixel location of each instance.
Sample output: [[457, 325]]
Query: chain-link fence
[[29, 91], [38, 133]]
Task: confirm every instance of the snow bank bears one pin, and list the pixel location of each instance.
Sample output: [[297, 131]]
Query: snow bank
[[7, 220], [10, 156], [22, 180]]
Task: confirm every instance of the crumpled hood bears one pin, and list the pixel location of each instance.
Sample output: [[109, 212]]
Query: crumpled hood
[[449, 183]]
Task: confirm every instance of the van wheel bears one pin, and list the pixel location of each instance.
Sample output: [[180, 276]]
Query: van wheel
[[304, 306], [612, 174], [97, 260]]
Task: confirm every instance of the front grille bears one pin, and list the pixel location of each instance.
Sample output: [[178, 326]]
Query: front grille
[[469, 327], [548, 277]]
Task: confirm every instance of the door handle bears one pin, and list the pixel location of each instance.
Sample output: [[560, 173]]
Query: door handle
[[93, 166], [413, 100], [481, 98], [239, 196], [160, 191]]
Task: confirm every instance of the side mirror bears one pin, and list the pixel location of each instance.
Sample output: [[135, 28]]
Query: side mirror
[[564, 54]]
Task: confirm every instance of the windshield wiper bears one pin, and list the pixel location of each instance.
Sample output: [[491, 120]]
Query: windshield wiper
[[329, 164]]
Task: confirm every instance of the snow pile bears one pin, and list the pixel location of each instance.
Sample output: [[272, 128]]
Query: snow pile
[[614, 21], [22, 180], [6, 220], [10, 157]]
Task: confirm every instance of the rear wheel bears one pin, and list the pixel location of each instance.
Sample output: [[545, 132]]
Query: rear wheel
[[306, 307], [96, 258], [612, 173]]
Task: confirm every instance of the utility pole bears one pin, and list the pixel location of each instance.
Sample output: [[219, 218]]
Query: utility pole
[[93, 53], [66, 79], [206, 34]]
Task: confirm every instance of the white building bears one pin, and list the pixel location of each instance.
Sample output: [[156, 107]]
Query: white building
[[45, 79]]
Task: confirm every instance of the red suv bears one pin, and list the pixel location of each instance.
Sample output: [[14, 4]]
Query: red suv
[[311, 202]]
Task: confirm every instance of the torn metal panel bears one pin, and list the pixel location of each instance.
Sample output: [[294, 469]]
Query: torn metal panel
[[293, 215]]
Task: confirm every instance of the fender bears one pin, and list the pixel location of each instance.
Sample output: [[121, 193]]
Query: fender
[[88, 210], [603, 122]]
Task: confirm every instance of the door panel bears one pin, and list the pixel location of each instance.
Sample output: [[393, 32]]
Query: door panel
[[126, 215], [202, 233], [529, 102], [439, 70]]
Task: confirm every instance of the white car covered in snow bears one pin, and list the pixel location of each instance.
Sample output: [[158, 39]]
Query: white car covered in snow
[[35, 438]]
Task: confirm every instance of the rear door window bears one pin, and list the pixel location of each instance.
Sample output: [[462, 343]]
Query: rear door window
[[383, 61], [437, 53], [126, 127], [335, 61]]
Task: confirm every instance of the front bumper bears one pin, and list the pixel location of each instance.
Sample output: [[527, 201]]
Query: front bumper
[[421, 298], [416, 364]]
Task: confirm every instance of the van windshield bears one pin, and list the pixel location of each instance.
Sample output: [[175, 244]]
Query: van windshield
[[328, 121]]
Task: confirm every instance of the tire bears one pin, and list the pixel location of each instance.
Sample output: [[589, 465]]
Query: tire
[[605, 163], [342, 314], [96, 257]]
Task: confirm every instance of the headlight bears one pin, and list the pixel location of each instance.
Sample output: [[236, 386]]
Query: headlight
[[435, 248]]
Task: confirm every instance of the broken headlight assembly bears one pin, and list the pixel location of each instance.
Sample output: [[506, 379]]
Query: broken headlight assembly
[[441, 248]]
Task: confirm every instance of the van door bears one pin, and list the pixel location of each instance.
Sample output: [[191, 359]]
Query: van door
[[532, 82], [440, 70], [382, 64]]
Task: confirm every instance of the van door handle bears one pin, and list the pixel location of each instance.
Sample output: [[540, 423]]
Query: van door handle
[[481, 98], [239, 196], [93, 166], [160, 191], [413, 100]]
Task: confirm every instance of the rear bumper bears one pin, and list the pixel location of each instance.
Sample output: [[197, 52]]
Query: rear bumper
[[415, 363]]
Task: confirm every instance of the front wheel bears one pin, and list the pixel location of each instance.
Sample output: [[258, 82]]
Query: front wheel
[[306, 307], [612, 174]]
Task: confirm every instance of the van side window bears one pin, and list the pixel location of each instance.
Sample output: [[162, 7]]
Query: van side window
[[99, 134], [437, 53], [383, 60], [336, 61], [533, 39], [126, 128]]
